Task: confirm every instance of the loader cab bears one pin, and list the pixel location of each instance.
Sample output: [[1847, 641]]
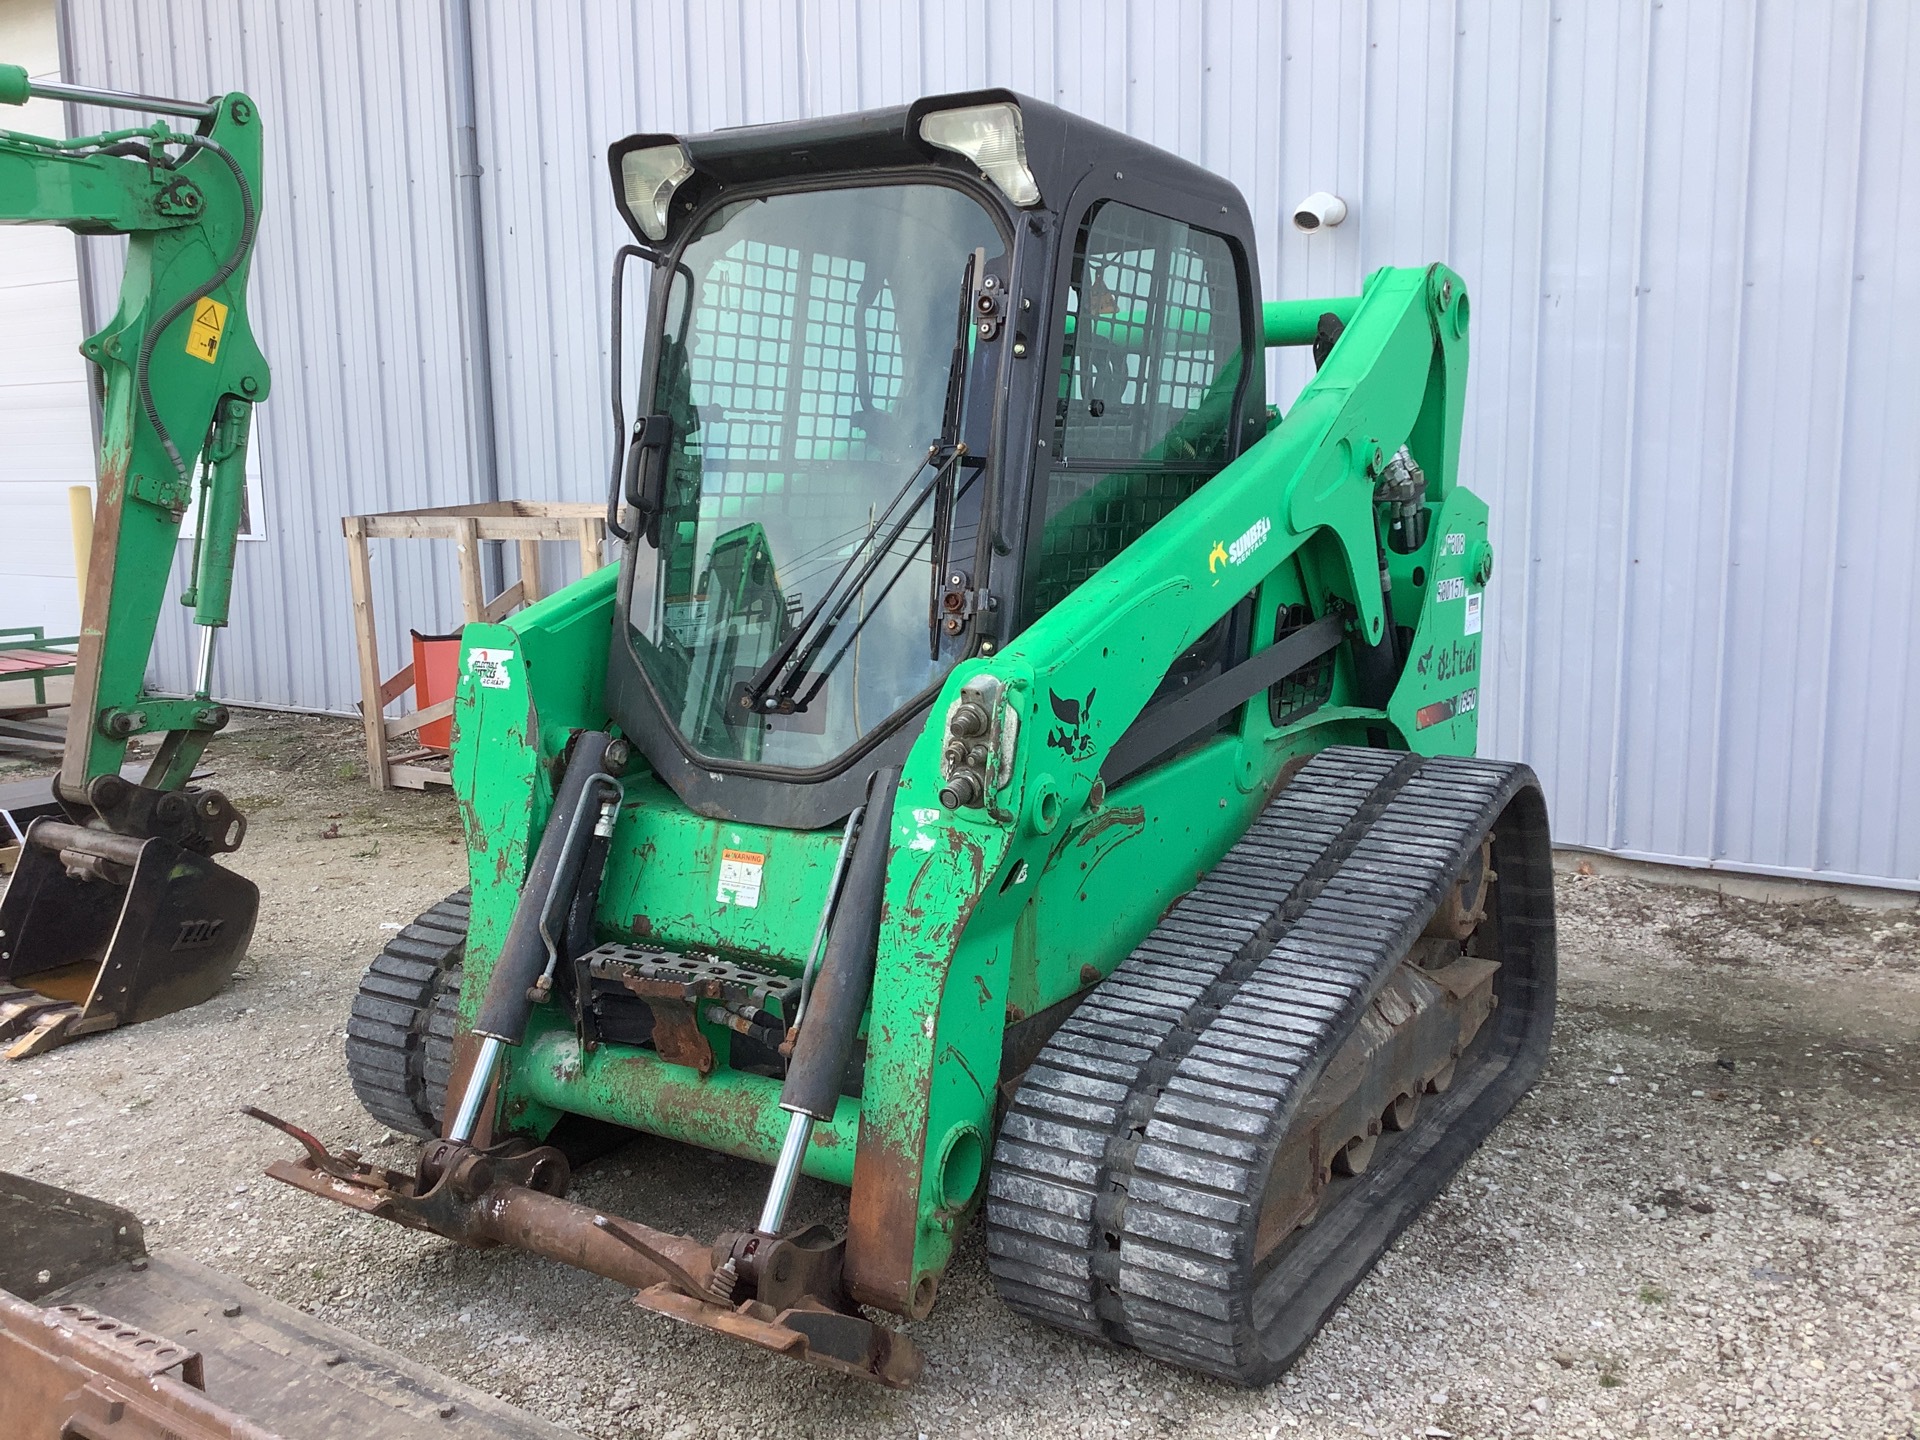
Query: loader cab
[[910, 377]]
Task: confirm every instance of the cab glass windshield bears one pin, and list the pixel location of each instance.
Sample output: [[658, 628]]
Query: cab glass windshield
[[806, 368]]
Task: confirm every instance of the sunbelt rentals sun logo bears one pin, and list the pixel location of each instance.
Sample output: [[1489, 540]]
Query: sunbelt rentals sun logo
[[1237, 552]]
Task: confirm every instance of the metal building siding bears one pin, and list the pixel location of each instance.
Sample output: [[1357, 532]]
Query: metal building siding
[[1696, 335], [352, 300]]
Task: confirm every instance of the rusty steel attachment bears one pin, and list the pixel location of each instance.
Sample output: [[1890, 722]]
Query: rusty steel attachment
[[68, 1369], [786, 1292], [73, 1372]]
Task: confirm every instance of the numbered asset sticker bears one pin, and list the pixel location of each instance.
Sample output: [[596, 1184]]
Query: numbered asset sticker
[[489, 667], [1473, 616], [740, 872]]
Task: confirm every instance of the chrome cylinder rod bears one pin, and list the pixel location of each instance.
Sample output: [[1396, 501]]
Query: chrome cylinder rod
[[786, 1170], [204, 686], [793, 1149], [121, 99], [477, 1084]]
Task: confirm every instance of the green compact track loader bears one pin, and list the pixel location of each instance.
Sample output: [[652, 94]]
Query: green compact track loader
[[1017, 773], [1015, 769]]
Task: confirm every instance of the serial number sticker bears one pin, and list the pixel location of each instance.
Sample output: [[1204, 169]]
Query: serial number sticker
[[209, 324], [740, 872], [1473, 615], [489, 667], [1452, 587]]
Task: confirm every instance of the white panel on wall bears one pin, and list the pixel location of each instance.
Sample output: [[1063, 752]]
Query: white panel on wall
[[44, 411], [1696, 334]]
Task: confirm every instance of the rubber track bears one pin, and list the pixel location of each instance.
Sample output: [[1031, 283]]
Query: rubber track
[[1128, 1174], [400, 1034]]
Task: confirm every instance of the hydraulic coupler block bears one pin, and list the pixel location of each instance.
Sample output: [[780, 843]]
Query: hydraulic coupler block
[[1403, 490], [976, 758]]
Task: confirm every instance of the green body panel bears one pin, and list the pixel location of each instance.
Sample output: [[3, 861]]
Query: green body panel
[[988, 920], [502, 745], [1296, 322], [660, 883], [203, 374]]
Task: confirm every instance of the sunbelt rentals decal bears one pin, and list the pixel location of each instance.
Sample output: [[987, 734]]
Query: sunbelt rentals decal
[[1236, 552]]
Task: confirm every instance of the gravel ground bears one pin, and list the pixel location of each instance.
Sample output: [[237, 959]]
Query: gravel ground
[[1705, 1221]]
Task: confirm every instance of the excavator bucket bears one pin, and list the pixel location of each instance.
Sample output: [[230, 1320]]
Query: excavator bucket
[[99, 930]]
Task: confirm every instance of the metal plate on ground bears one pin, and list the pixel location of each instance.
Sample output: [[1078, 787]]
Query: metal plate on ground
[[290, 1373]]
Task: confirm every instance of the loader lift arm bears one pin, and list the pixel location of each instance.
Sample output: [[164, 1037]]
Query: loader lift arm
[[1305, 492], [182, 374]]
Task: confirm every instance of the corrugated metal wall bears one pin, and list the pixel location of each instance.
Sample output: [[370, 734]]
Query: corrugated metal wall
[[354, 301], [43, 380], [1696, 341]]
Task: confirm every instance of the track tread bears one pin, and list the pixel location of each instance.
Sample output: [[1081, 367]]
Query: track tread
[[1126, 1186], [401, 1028]]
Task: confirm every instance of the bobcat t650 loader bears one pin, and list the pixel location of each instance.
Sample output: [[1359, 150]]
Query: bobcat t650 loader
[[1016, 773]]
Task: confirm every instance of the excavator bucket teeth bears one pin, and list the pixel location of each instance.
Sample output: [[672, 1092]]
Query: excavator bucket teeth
[[99, 930]]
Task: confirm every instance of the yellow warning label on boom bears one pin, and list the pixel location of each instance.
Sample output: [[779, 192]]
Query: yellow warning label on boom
[[209, 324]]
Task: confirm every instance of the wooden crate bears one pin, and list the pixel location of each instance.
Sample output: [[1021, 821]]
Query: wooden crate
[[524, 522]]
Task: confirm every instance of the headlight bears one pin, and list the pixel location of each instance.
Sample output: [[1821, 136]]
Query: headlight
[[992, 138], [650, 177]]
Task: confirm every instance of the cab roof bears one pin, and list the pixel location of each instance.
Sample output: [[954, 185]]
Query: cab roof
[[1062, 149]]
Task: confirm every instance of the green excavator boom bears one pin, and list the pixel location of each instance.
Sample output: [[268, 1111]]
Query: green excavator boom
[[140, 920]]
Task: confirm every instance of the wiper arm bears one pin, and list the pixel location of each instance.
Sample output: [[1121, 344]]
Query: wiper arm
[[944, 480], [771, 690], [950, 433], [772, 686]]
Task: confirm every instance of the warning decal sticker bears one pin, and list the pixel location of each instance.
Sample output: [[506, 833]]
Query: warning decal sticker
[[209, 324], [740, 872], [1472, 626]]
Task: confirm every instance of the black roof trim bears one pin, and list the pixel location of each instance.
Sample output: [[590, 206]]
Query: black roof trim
[[1062, 149]]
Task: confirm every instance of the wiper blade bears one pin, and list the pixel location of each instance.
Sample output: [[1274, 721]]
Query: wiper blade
[[770, 691], [820, 676]]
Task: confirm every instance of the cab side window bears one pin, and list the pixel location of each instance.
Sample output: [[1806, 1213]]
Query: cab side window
[[1149, 377]]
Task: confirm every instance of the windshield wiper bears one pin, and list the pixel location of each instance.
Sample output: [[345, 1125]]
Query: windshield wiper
[[942, 525], [771, 690], [943, 479]]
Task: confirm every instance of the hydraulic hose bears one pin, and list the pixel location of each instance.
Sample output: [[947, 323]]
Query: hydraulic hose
[[555, 872], [249, 220]]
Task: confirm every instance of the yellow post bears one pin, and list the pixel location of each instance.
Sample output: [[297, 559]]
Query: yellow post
[[80, 516]]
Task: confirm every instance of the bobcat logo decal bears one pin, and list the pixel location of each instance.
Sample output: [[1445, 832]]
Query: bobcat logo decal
[[1070, 736]]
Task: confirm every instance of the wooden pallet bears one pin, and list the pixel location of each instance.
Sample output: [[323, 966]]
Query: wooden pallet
[[525, 523]]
